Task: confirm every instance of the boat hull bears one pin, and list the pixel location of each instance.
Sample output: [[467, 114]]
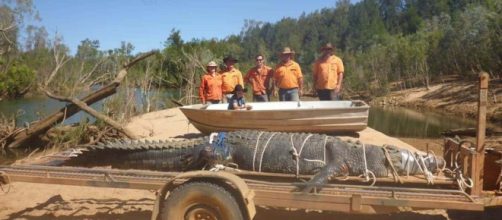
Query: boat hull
[[309, 116]]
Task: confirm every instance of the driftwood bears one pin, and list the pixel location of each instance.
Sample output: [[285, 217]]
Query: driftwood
[[24, 136]]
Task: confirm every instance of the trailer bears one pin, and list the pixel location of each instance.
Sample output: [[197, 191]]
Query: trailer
[[233, 194]]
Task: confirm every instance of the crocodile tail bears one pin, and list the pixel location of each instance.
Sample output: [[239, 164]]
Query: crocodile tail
[[125, 154]]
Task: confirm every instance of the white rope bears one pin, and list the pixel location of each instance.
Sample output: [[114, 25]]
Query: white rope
[[219, 167], [211, 137], [324, 152], [296, 154], [367, 173], [428, 175], [299, 155], [304, 141], [263, 152], [462, 183], [315, 161], [456, 159], [256, 149]]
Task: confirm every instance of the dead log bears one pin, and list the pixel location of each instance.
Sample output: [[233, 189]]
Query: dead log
[[24, 136], [94, 113]]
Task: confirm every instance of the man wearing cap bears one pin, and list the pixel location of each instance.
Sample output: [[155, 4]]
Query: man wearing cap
[[231, 77], [210, 85], [288, 77], [328, 74], [260, 78]]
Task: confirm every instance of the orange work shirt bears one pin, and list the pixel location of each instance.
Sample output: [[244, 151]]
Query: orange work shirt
[[230, 79], [325, 72], [210, 87], [259, 78], [288, 75]]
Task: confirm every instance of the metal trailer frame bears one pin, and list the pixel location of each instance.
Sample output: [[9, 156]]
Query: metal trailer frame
[[251, 188], [279, 190]]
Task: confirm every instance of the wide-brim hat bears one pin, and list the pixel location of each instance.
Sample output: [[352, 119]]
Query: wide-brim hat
[[212, 63], [327, 46], [287, 50], [230, 58]]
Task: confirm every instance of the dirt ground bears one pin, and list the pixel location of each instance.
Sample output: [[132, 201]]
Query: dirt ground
[[42, 201]]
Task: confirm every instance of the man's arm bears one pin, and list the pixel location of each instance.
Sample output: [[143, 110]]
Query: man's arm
[[201, 91], [269, 81], [341, 70], [300, 86], [339, 83], [300, 80]]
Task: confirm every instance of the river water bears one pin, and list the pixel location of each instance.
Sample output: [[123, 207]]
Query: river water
[[403, 122], [38, 107]]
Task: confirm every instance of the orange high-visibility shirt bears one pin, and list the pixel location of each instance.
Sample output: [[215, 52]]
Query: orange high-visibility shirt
[[231, 78], [259, 78], [325, 72], [288, 75], [210, 87]]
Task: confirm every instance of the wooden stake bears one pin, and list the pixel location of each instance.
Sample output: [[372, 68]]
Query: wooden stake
[[479, 158]]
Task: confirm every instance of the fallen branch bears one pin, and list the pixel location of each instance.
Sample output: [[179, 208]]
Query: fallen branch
[[42, 126], [93, 112]]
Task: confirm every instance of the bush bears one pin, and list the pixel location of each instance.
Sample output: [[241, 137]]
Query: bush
[[15, 81]]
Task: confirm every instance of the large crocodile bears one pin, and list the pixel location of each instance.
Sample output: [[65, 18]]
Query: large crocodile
[[298, 153]]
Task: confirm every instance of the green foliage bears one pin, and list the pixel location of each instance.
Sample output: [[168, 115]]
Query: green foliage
[[15, 81]]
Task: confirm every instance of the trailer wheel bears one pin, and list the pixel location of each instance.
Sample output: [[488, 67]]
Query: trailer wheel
[[200, 200]]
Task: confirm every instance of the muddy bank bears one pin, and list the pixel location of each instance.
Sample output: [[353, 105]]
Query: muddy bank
[[457, 97]]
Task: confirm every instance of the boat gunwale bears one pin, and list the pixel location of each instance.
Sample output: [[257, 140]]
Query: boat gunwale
[[192, 107]]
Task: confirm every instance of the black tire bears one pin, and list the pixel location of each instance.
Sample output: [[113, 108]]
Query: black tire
[[200, 200]]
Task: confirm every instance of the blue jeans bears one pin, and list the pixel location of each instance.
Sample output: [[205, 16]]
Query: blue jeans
[[260, 98], [327, 94], [289, 94], [213, 101]]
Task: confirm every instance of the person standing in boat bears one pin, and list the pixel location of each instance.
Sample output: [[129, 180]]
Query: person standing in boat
[[210, 85], [328, 74], [288, 77], [231, 77], [260, 78], [237, 101]]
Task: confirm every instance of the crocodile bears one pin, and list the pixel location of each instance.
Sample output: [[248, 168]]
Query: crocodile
[[319, 155]]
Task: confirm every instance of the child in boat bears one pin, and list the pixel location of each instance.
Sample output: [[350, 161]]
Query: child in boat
[[237, 101]]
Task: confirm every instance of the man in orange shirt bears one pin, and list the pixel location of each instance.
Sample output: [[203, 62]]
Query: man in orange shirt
[[328, 74], [210, 85], [260, 78], [288, 77], [231, 77]]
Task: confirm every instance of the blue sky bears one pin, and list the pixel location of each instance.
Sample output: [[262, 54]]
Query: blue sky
[[147, 23]]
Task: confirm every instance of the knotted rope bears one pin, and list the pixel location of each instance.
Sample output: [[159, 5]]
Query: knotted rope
[[297, 154]]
